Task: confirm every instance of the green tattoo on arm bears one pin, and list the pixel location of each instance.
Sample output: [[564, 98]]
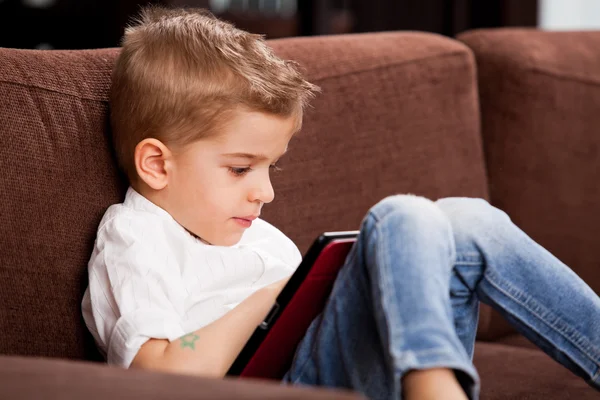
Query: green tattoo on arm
[[189, 340]]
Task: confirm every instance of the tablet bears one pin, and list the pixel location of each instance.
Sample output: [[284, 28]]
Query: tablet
[[270, 350]]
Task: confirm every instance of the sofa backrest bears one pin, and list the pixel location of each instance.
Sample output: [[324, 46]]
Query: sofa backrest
[[540, 108], [57, 178], [398, 113]]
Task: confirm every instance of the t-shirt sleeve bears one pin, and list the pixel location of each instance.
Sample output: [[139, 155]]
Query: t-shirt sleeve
[[135, 287]]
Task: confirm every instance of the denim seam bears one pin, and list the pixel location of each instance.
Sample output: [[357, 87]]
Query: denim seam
[[579, 342], [384, 303], [465, 257], [596, 377], [393, 314], [448, 360]]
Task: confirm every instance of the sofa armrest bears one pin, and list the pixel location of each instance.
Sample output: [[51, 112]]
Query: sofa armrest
[[540, 95], [33, 378]]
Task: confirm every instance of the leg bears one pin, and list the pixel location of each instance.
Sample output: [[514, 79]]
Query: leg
[[389, 312], [546, 301]]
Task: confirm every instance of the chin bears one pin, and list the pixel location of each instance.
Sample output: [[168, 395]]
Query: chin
[[228, 241], [233, 242]]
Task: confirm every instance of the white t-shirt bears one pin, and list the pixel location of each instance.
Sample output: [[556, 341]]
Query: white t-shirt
[[150, 278]]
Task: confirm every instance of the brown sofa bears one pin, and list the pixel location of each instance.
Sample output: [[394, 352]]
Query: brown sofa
[[508, 115]]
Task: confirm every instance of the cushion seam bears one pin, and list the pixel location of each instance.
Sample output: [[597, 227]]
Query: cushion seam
[[30, 86], [528, 68], [563, 76], [394, 64]]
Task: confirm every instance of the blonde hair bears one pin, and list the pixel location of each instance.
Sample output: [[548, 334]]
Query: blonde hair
[[181, 70]]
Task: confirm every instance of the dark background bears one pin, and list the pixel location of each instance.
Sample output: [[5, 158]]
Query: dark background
[[76, 24]]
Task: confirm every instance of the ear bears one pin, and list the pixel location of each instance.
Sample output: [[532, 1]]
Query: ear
[[152, 159]]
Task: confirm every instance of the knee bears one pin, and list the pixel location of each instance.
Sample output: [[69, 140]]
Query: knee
[[468, 215], [409, 211]]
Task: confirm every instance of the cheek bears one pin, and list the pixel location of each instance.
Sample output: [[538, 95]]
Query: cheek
[[192, 188], [215, 196]]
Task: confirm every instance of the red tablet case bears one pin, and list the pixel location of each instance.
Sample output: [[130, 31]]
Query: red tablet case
[[275, 354]]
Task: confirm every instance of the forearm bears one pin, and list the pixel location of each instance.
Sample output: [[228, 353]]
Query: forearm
[[211, 350]]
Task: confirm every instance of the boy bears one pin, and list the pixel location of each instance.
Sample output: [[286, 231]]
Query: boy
[[183, 270]]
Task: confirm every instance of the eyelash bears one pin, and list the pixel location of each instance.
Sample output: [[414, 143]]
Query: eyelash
[[243, 171]]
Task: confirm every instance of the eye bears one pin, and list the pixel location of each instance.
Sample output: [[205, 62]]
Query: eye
[[274, 168], [239, 171]]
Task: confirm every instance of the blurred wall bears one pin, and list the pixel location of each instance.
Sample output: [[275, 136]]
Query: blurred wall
[[76, 24], [64, 24]]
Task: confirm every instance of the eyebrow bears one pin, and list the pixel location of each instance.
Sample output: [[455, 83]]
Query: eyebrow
[[249, 156]]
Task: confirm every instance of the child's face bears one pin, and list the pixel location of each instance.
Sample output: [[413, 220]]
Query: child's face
[[219, 184]]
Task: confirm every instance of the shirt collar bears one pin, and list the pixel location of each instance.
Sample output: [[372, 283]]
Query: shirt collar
[[136, 201]]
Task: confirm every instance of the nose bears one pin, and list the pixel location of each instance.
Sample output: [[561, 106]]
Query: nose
[[262, 191]]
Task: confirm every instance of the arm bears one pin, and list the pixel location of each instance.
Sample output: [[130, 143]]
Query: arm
[[211, 350]]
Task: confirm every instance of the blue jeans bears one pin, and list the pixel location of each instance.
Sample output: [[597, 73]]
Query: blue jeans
[[407, 299]]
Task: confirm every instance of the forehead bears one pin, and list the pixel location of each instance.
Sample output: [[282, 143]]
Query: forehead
[[256, 132]]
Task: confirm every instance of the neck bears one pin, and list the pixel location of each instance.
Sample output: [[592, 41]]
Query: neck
[[157, 197]]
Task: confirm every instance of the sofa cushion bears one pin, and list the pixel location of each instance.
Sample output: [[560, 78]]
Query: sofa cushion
[[33, 378], [540, 103], [398, 113], [513, 373]]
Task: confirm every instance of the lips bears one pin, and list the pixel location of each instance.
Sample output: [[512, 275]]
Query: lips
[[245, 222], [248, 217]]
